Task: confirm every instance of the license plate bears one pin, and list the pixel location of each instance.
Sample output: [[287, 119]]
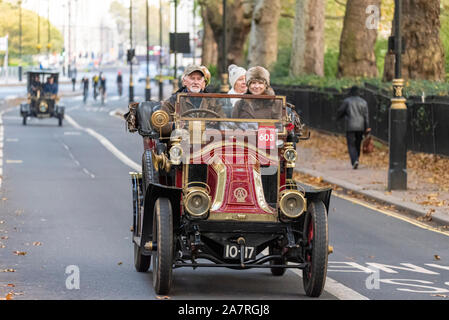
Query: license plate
[[267, 137], [233, 252]]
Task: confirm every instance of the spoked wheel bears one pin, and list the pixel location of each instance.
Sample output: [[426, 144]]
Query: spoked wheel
[[276, 271], [316, 252], [163, 256], [141, 263]]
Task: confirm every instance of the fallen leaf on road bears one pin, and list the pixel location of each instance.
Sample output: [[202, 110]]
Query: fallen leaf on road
[[8, 270], [440, 295], [37, 243], [11, 285], [9, 296], [19, 253], [428, 216], [120, 263], [4, 238], [437, 257], [163, 298]]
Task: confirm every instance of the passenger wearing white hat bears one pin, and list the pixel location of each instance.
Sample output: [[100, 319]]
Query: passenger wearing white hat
[[237, 80]]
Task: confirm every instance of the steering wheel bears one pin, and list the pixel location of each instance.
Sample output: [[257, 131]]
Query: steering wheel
[[198, 111]]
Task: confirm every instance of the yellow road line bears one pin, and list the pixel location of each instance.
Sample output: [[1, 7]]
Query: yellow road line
[[391, 214]]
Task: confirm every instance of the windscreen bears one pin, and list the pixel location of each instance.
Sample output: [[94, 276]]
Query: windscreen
[[233, 128]]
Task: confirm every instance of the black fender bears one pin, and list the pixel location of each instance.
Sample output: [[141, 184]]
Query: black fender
[[319, 195], [153, 192]]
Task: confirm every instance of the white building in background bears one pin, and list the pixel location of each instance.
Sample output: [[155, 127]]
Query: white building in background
[[90, 35]]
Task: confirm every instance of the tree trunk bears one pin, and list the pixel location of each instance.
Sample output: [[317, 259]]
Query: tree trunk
[[308, 38], [209, 54], [239, 26], [263, 46], [358, 39], [238, 22], [424, 56]]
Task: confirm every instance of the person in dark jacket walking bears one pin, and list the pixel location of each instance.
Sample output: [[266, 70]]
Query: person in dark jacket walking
[[355, 111]]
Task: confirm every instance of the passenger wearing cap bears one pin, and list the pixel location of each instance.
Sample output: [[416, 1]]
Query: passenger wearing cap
[[194, 80]]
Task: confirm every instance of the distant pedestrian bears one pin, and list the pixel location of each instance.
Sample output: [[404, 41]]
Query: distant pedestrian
[[355, 111]]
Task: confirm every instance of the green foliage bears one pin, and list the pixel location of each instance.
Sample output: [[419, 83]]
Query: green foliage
[[331, 63], [282, 65], [380, 51], [9, 24]]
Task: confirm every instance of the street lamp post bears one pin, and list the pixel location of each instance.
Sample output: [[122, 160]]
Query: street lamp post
[[148, 85], [131, 85], [224, 75], [175, 74], [161, 82], [397, 173], [20, 40]]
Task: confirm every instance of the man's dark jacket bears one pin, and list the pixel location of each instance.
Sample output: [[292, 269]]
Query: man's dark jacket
[[355, 111]]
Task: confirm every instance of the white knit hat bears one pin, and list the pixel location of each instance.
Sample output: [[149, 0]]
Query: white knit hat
[[235, 72]]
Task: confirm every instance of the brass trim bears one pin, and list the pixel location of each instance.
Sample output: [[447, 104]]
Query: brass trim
[[160, 161], [137, 175], [287, 192], [189, 192], [220, 170], [398, 103], [233, 120], [260, 196], [218, 144], [225, 216], [159, 119]]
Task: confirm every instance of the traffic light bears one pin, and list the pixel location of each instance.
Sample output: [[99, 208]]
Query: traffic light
[[130, 55]]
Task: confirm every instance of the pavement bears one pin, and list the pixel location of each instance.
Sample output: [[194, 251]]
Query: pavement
[[370, 183]]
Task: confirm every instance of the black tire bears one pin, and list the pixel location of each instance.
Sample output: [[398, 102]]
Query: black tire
[[24, 121], [141, 263], [163, 256], [316, 236], [276, 271], [149, 174]]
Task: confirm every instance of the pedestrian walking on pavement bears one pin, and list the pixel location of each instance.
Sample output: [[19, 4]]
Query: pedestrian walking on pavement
[[355, 111]]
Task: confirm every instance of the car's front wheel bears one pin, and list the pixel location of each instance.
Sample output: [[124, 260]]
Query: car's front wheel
[[163, 256], [316, 250]]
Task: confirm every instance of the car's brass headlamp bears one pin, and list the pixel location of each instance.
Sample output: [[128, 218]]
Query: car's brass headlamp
[[197, 201], [43, 106], [292, 203], [290, 154]]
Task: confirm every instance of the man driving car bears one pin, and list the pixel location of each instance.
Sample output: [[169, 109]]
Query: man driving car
[[194, 80]]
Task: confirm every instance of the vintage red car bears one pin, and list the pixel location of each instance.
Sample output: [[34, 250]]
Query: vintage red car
[[218, 192]]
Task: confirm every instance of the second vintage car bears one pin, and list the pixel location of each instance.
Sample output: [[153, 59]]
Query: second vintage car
[[217, 191], [43, 100]]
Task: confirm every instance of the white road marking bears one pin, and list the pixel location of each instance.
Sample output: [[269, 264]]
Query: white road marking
[[72, 133], [337, 289], [107, 144], [14, 161]]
